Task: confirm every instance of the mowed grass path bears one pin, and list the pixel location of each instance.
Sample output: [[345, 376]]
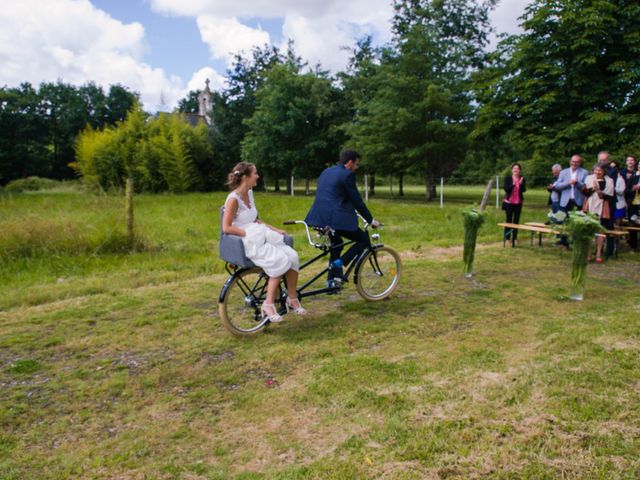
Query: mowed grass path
[[116, 366]]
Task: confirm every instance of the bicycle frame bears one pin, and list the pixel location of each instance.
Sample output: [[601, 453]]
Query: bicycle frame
[[302, 290], [326, 250]]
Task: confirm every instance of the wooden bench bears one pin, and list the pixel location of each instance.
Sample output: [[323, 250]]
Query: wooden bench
[[527, 228], [615, 234], [537, 224]]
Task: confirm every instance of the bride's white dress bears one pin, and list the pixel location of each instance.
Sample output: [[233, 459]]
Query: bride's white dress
[[263, 246]]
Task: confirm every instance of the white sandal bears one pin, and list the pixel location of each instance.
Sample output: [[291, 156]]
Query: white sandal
[[273, 318], [290, 307]]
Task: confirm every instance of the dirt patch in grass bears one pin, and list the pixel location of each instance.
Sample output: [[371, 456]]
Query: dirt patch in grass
[[610, 342], [405, 470], [297, 438], [442, 253]]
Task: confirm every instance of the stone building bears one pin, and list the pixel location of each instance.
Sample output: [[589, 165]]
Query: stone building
[[205, 107]]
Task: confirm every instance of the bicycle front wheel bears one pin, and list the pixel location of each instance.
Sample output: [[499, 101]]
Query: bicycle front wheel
[[241, 300], [378, 274]]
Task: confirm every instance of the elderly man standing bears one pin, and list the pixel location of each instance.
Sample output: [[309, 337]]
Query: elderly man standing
[[570, 184], [554, 195]]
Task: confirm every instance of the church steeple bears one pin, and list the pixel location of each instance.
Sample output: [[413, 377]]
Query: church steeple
[[205, 104]]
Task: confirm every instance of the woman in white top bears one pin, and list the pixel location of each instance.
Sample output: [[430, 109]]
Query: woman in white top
[[599, 190], [263, 244]]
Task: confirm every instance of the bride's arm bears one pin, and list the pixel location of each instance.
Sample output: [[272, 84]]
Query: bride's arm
[[230, 209]]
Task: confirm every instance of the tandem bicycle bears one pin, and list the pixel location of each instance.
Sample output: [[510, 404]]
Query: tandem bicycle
[[375, 273]]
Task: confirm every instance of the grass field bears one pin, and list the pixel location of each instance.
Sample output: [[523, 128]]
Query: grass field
[[114, 365]]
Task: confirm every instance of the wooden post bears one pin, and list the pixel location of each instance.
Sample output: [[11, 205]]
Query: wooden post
[[366, 188], [128, 207], [497, 191], [485, 197], [441, 192], [292, 186]]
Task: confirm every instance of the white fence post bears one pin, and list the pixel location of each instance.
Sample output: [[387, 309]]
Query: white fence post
[[366, 188], [497, 191], [292, 185], [441, 192]]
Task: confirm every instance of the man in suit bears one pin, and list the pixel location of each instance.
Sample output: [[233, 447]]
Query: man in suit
[[337, 200], [570, 184]]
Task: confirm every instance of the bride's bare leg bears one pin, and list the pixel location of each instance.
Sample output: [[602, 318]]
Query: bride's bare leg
[[272, 287], [292, 283]]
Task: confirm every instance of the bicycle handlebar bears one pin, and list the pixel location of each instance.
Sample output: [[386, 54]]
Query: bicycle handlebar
[[308, 232]]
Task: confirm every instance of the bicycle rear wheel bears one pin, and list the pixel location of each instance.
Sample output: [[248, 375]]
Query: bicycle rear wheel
[[378, 274], [242, 297]]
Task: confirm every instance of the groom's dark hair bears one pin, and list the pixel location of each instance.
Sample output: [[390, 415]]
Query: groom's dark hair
[[348, 155]]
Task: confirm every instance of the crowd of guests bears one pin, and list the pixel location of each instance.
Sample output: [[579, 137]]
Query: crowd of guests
[[610, 191]]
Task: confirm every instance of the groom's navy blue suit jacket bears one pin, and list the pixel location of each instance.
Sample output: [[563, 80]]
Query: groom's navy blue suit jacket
[[337, 200]]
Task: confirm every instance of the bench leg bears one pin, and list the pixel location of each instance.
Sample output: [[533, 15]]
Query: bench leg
[[532, 235]]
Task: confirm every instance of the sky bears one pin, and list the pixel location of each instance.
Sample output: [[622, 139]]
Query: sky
[[164, 48]]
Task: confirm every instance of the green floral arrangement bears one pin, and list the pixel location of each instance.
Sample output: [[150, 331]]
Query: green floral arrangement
[[581, 227], [473, 220]]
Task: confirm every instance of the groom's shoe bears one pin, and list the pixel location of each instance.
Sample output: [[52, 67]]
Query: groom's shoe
[[336, 283], [336, 271]]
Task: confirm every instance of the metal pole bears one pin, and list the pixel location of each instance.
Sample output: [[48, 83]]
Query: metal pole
[[366, 188], [441, 192], [497, 191], [292, 185]]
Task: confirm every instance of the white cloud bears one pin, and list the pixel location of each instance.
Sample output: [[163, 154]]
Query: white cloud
[[227, 36], [71, 40], [245, 8], [319, 29], [198, 79], [323, 39]]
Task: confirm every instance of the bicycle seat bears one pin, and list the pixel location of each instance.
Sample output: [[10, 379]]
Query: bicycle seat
[[231, 248]]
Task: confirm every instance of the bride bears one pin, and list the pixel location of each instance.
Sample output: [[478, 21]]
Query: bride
[[263, 244]]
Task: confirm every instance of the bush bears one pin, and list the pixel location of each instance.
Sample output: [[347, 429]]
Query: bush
[[32, 184]]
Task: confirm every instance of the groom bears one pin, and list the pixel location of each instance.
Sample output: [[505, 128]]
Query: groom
[[337, 200]]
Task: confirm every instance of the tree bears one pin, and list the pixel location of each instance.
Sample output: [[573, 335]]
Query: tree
[[23, 134], [238, 102], [567, 84], [38, 128], [154, 154], [415, 112], [293, 130], [190, 104]]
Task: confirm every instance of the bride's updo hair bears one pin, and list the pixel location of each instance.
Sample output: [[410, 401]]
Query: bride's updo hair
[[237, 173]]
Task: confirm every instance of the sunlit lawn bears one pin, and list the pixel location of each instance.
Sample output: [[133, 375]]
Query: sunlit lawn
[[116, 366]]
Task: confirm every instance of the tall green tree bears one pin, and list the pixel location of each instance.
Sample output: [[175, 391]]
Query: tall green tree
[[294, 129], [38, 128], [568, 83], [238, 102], [417, 112], [23, 134]]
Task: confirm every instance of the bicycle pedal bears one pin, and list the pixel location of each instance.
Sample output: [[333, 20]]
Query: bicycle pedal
[[337, 283]]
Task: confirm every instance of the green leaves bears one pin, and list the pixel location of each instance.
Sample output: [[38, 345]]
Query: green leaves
[[292, 130], [563, 86], [159, 154]]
